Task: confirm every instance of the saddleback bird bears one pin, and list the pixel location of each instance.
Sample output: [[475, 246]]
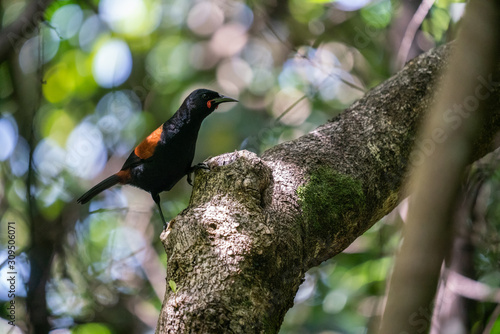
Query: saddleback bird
[[166, 155]]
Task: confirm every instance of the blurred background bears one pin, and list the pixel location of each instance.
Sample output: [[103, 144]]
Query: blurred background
[[82, 87]]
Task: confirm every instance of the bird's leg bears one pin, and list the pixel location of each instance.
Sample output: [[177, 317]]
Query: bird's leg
[[192, 169], [156, 198]]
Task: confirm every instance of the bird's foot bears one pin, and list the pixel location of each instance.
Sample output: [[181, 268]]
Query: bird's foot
[[193, 169]]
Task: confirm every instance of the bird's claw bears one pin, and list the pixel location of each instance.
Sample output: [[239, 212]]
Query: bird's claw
[[201, 165]]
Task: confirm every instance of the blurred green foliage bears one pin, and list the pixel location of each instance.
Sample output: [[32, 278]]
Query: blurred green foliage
[[98, 76]]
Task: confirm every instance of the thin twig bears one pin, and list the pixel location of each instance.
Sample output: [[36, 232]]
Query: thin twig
[[314, 63], [411, 30], [471, 289], [290, 108]]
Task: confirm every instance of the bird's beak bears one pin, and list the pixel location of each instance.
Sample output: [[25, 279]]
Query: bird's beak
[[223, 99]]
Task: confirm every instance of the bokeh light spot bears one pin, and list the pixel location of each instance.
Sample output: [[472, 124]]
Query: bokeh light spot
[[286, 98], [19, 160], [57, 125], [49, 158], [29, 53], [131, 17], [242, 14], [350, 5], [91, 29], [67, 20], [167, 61], [202, 57], [8, 136], [60, 82], [112, 64], [263, 81], [234, 75], [335, 301], [204, 18], [87, 154], [69, 77], [229, 39], [12, 10], [258, 53], [113, 115]]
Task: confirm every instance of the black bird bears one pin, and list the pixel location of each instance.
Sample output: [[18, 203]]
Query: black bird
[[166, 155]]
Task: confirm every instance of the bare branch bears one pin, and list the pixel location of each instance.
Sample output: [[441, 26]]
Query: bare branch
[[12, 36], [411, 30]]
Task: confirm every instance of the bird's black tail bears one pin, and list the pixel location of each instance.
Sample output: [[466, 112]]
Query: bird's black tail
[[103, 185]]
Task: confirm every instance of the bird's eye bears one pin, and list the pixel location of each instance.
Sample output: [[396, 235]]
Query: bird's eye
[[204, 96]]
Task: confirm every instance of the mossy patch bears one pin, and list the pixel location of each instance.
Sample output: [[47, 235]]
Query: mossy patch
[[330, 198]]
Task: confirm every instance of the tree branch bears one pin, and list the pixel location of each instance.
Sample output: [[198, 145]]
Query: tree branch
[[254, 225], [19, 30]]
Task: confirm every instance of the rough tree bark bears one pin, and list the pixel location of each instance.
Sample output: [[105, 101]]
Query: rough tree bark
[[254, 225]]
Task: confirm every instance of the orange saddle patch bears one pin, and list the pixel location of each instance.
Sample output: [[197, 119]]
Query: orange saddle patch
[[124, 176], [147, 147]]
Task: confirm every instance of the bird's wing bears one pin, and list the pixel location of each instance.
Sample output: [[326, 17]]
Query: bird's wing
[[145, 150], [132, 161], [147, 147]]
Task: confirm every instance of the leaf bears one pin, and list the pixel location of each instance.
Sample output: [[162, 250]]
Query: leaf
[[173, 286]]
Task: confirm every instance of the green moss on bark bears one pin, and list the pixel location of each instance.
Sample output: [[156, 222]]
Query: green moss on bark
[[330, 198]]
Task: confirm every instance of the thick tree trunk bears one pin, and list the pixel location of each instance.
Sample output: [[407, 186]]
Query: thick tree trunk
[[254, 225], [435, 184], [15, 34]]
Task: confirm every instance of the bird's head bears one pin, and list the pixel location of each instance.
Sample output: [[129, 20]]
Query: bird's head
[[203, 101]]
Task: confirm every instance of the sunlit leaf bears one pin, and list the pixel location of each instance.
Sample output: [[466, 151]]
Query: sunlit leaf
[[173, 286], [91, 328]]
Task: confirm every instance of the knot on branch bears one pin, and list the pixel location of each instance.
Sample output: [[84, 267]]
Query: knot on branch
[[241, 173]]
